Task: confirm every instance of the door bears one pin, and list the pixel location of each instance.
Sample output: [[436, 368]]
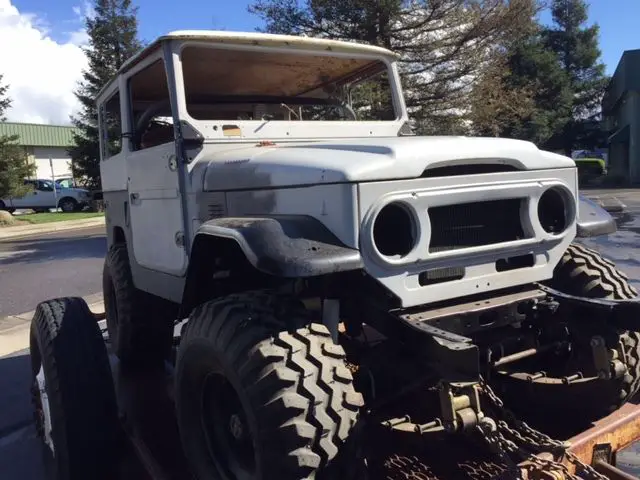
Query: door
[[44, 195], [29, 199], [156, 209]]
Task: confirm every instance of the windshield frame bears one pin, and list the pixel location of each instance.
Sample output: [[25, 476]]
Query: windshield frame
[[288, 129]]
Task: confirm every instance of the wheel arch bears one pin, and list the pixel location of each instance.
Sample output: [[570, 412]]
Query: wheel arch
[[247, 253]]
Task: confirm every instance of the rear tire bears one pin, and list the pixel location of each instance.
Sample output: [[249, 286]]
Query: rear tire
[[258, 390], [140, 325], [68, 354], [584, 272]]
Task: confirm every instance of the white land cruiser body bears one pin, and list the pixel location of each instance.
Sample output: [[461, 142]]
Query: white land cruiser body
[[341, 173], [269, 188]]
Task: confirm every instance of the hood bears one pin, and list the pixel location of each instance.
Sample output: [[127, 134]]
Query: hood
[[361, 160]]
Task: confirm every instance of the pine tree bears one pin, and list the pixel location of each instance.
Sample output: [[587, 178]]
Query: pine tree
[[535, 68], [576, 47], [113, 39], [443, 44], [14, 164]]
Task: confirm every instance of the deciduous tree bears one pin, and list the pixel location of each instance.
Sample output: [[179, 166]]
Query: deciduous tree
[[444, 44]]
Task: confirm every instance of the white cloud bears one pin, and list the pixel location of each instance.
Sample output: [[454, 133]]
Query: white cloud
[[42, 73]]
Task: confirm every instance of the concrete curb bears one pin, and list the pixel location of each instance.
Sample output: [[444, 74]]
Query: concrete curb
[[26, 230], [14, 329]]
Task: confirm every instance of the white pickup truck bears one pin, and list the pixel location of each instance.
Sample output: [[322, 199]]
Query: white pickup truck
[[43, 198]]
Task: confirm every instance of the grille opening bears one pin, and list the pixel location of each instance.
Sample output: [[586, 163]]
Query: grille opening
[[440, 275], [515, 263], [475, 224], [552, 211], [394, 231], [472, 169]]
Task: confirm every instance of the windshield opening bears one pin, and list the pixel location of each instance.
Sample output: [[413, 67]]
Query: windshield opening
[[271, 86]]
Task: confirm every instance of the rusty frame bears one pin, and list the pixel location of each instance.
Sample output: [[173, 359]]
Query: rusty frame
[[598, 445]]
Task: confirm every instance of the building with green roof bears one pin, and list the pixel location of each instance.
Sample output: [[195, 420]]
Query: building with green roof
[[44, 142]]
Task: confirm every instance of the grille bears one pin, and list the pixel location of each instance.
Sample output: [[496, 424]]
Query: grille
[[475, 224]]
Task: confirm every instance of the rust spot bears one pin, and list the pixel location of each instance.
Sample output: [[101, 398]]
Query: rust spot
[[231, 131], [266, 143], [620, 429]]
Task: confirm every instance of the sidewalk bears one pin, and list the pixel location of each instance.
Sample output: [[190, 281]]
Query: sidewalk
[[14, 329], [25, 230]]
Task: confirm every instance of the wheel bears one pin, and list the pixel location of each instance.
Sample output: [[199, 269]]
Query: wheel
[[140, 330], [584, 272], [72, 390], [261, 392], [68, 204]]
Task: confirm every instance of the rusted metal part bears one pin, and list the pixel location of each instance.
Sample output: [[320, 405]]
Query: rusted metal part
[[473, 311], [530, 352], [541, 377], [618, 430], [612, 472]]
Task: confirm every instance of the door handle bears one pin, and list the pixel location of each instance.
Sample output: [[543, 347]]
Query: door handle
[[134, 197]]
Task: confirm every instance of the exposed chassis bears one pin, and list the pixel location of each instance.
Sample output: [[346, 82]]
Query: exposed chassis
[[442, 333]]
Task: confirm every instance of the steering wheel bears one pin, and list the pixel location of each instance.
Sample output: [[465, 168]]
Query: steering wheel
[[145, 118]]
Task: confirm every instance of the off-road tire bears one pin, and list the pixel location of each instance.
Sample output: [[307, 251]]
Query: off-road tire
[[294, 389], [584, 272], [66, 341], [140, 329]]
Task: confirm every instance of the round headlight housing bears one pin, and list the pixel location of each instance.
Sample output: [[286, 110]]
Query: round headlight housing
[[395, 230], [556, 210]]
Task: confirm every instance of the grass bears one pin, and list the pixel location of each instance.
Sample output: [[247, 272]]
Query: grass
[[37, 218]]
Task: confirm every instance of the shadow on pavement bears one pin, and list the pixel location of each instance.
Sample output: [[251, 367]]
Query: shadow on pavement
[[20, 449], [43, 250]]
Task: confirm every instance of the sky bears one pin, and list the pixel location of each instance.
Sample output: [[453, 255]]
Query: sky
[[42, 61]]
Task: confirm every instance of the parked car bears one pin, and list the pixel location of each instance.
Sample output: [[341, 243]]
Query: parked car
[[43, 198], [66, 182]]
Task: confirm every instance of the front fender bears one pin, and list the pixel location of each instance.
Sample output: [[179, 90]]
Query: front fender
[[286, 246], [593, 220]]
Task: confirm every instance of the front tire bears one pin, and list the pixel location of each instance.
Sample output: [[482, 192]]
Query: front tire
[[261, 392], [68, 205], [584, 272], [73, 393]]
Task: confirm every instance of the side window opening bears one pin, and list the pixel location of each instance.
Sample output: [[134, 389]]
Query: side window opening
[[152, 123], [111, 126]]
